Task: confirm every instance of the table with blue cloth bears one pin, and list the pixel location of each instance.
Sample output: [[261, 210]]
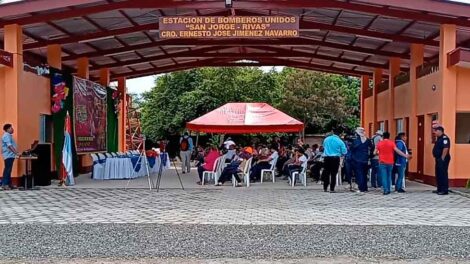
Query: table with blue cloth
[[131, 167]]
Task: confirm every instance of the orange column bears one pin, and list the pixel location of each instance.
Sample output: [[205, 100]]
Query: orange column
[[364, 87], [104, 77], [417, 59], [54, 56], [394, 70], [10, 96], [377, 77], [83, 70], [447, 117], [122, 119]]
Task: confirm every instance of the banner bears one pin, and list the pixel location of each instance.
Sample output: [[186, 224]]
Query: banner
[[229, 27], [90, 116]]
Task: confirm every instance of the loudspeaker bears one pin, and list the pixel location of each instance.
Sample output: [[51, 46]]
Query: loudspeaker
[[41, 168]]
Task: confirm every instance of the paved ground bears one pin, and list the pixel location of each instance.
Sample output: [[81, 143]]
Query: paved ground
[[271, 223]]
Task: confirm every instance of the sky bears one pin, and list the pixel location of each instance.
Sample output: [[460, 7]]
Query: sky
[[144, 84]]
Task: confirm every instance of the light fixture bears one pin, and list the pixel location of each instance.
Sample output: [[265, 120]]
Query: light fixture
[[95, 39], [228, 3]]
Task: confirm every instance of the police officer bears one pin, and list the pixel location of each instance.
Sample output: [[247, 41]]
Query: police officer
[[441, 155]]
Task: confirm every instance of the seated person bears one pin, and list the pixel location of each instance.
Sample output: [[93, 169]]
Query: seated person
[[299, 159], [209, 161], [264, 159], [317, 164], [230, 170], [230, 153]]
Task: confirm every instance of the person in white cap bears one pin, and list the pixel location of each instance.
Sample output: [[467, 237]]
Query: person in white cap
[[374, 162]]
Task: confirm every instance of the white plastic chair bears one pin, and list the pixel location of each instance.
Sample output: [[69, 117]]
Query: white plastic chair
[[302, 175], [272, 170], [220, 168], [246, 172], [98, 169], [211, 174]]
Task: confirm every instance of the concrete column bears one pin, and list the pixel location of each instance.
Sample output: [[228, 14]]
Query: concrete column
[[54, 56], [364, 88], [377, 78], [104, 77], [417, 59], [10, 111], [83, 70], [122, 118], [447, 116], [394, 70]]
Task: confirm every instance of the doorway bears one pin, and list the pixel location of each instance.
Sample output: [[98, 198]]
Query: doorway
[[420, 153]]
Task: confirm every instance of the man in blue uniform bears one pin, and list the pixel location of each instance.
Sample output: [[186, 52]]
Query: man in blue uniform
[[441, 155]]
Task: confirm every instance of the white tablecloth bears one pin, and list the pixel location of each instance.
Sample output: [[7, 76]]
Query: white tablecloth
[[122, 168]]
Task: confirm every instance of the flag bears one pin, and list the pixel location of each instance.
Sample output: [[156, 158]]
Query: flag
[[67, 161]]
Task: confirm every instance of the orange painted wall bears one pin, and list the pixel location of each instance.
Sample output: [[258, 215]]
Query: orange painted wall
[[383, 108], [462, 170], [369, 112], [429, 101], [402, 101], [35, 100], [463, 89]]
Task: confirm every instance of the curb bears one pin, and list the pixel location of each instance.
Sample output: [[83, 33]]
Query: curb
[[464, 194]]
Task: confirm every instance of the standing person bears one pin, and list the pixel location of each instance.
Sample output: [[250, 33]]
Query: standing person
[[374, 162], [386, 150], [442, 156], [401, 162], [9, 154], [361, 150], [186, 148], [229, 142], [334, 149]]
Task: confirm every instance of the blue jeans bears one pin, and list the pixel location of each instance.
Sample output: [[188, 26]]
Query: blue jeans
[[374, 180], [360, 171], [385, 174], [6, 180], [400, 178]]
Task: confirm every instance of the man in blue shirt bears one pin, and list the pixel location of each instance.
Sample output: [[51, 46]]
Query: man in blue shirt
[[334, 149], [401, 162], [9, 154]]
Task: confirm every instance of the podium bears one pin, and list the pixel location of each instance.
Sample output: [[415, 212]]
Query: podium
[[28, 177]]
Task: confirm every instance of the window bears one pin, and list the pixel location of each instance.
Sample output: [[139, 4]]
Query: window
[[45, 129], [462, 128], [400, 125], [382, 125]]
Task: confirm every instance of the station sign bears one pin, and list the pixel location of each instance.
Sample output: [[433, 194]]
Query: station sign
[[188, 27]]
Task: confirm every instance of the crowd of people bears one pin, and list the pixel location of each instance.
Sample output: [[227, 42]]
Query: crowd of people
[[376, 162]]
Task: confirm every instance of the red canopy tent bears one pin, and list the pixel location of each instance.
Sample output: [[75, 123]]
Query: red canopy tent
[[245, 118]]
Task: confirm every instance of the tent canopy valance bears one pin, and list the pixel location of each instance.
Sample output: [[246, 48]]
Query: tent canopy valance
[[245, 118]]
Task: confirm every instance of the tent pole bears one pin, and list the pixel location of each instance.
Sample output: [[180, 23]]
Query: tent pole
[[197, 139]]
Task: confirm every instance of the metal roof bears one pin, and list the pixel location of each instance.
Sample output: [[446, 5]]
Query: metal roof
[[342, 36]]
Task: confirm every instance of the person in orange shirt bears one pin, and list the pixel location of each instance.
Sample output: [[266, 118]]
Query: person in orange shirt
[[386, 150]]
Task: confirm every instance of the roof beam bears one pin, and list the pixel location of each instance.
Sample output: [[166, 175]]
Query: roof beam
[[279, 53], [90, 36], [239, 42], [404, 9], [31, 6], [215, 63]]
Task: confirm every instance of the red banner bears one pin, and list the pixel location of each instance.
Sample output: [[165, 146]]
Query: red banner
[[90, 116], [229, 27]]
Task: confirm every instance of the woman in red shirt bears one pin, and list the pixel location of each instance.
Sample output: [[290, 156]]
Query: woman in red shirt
[[386, 150], [209, 161]]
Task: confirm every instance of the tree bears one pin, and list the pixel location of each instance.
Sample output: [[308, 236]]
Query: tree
[[321, 100], [315, 98]]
